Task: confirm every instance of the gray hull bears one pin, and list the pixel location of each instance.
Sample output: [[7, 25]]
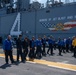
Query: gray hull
[[38, 23]]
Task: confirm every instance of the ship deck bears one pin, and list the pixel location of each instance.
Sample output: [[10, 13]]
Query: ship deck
[[49, 65]]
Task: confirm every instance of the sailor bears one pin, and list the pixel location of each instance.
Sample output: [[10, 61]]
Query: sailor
[[44, 45], [39, 50], [25, 48], [74, 46], [50, 42], [19, 48], [70, 44], [67, 45], [0, 40], [7, 47], [60, 46], [54, 43], [32, 48], [63, 46]]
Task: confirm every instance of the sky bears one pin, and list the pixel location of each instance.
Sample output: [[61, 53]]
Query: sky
[[44, 1], [41, 1]]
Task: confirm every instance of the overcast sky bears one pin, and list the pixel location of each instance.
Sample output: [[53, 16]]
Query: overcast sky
[[41, 1], [44, 1]]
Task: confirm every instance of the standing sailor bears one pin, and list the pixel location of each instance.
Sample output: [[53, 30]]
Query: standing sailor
[[51, 43], [44, 45], [25, 48], [74, 45], [39, 50], [7, 47], [32, 48], [63, 46], [67, 45], [60, 46], [19, 48]]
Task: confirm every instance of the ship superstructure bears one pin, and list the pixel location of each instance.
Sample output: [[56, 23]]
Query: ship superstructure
[[35, 19]]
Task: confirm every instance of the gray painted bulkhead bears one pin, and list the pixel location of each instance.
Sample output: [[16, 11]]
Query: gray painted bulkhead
[[30, 24]]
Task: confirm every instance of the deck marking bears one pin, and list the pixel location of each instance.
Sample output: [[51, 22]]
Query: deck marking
[[66, 62], [61, 65]]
